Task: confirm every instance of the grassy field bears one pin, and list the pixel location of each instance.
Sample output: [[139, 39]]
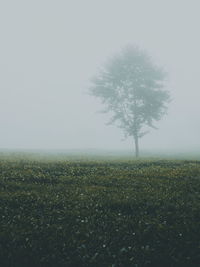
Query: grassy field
[[100, 212]]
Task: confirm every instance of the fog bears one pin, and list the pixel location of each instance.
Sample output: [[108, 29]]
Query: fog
[[51, 49]]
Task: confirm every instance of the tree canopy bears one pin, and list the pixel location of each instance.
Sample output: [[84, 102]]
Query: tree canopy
[[131, 88]]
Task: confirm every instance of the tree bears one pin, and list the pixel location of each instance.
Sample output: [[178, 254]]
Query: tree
[[131, 88]]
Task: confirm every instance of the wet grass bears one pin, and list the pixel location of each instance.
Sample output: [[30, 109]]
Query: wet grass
[[99, 212]]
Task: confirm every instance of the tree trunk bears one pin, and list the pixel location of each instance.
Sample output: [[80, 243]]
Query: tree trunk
[[136, 146]]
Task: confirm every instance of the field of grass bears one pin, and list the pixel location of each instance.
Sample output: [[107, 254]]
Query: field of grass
[[99, 212]]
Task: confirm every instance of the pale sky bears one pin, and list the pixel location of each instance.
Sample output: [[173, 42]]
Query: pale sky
[[49, 50]]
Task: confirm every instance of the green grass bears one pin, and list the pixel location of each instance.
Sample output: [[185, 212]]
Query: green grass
[[99, 212]]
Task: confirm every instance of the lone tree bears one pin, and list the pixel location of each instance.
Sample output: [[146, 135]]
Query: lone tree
[[131, 88]]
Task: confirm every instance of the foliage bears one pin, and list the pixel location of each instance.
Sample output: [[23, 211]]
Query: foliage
[[131, 88], [99, 213]]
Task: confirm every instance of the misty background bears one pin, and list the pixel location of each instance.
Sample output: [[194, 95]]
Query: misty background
[[49, 50]]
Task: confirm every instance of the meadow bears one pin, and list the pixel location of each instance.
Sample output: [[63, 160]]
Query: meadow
[[99, 212]]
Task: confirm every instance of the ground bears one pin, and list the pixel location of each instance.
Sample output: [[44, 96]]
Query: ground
[[99, 212]]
